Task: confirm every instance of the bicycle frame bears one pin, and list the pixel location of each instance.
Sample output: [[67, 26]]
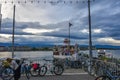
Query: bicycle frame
[[113, 77], [9, 73], [110, 75], [53, 67], [49, 66]]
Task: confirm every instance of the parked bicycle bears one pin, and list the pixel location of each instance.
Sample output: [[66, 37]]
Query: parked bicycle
[[109, 74], [35, 69], [52, 67], [7, 73]]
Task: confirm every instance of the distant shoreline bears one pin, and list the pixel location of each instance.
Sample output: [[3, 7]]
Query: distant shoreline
[[52, 50]]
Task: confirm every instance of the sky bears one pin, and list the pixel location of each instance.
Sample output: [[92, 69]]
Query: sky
[[47, 21]]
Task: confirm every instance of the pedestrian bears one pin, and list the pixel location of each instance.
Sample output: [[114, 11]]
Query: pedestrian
[[16, 66]]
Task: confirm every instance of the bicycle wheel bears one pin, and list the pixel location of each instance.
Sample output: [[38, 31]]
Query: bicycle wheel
[[27, 72], [34, 72], [58, 69], [42, 70], [103, 78], [7, 74]]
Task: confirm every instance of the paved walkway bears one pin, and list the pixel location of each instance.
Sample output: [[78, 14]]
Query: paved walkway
[[69, 74], [63, 77]]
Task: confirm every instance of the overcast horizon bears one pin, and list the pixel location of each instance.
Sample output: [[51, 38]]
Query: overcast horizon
[[48, 22]]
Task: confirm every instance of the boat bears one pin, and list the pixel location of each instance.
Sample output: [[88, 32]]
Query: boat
[[65, 51]]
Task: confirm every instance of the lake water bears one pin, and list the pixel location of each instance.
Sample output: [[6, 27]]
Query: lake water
[[49, 54], [28, 54]]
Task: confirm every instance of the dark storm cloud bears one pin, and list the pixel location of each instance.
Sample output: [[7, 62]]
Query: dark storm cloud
[[7, 27], [73, 36], [105, 15]]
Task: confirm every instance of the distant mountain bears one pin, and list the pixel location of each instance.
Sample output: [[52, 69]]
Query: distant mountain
[[107, 46], [51, 45], [7, 44], [102, 46], [39, 45], [28, 44]]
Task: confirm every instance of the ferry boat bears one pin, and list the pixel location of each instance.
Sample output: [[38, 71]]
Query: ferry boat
[[65, 51]]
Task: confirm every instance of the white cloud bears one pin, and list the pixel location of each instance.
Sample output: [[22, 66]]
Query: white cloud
[[84, 31], [5, 38], [93, 31], [109, 40], [97, 30]]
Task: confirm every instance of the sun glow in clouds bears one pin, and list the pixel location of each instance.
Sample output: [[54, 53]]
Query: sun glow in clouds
[[6, 35], [37, 31], [97, 30]]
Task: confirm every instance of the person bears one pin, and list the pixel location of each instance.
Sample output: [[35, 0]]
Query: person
[[74, 60], [14, 64]]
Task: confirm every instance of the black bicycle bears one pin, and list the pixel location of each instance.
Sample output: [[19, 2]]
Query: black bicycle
[[109, 75]]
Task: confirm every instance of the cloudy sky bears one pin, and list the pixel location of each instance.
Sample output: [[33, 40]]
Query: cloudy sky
[[47, 21]]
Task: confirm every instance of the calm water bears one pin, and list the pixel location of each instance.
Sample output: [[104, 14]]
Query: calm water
[[49, 54], [28, 54]]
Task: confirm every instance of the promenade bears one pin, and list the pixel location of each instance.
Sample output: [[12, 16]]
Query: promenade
[[64, 77], [69, 74]]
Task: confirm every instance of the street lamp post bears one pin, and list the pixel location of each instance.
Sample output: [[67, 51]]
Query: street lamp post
[[0, 16], [90, 38], [13, 31]]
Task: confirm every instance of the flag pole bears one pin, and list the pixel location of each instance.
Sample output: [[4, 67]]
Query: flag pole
[[69, 36]]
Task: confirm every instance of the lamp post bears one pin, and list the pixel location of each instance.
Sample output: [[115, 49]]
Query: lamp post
[[90, 38], [13, 31], [0, 16]]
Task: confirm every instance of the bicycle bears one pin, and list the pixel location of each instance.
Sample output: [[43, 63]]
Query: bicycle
[[55, 68], [109, 75], [7, 73], [35, 70]]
